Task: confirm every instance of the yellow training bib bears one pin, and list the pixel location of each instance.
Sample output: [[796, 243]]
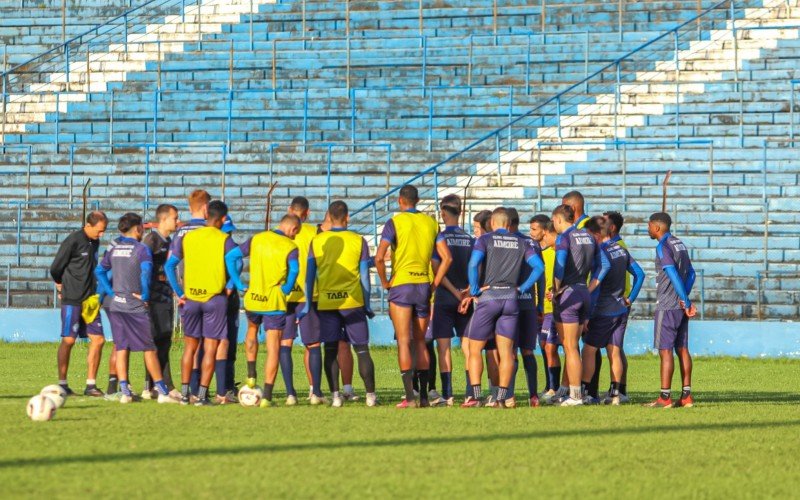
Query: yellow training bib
[[338, 256], [413, 247], [204, 263], [303, 240], [269, 252]]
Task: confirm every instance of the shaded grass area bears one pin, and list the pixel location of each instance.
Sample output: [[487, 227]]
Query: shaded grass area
[[738, 441]]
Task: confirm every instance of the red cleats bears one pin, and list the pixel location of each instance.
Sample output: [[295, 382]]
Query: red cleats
[[686, 402], [406, 404], [471, 402], [661, 403], [534, 402]]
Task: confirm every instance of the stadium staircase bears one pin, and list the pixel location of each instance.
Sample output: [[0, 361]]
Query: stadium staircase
[[323, 96]]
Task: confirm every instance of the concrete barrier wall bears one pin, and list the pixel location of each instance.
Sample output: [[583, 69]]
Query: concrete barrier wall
[[707, 338]]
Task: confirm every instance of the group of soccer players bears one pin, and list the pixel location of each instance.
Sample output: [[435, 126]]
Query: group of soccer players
[[501, 292]]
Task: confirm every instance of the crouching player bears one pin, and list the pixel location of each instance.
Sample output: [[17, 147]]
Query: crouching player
[[203, 306], [273, 272], [609, 316], [131, 263], [673, 309], [497, 310], [338, 271]]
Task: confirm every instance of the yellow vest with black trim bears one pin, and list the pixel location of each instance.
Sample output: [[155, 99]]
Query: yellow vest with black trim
[[582, 223], [549, 258], [204, 263], [303, 240], [338, 257], [268, 271], [415, 238]]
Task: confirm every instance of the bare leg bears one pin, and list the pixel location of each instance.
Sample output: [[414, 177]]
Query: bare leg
[[475, 361], [685, 362], [588, 358], [667, 367], [571, 339], [505, 351], [615, 360], [345, 358], [251, 342], [122, 364], [64, 351], [210, 347], [152, 365], [401, 319], [190, 346], [95, 353], [493, 367], [273, 349], [445, 359]]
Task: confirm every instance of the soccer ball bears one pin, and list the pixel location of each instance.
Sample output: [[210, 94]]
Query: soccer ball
[[250, 396], [41, 408], [56, 393]]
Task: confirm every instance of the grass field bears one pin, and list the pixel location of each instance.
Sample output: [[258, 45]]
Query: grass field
[[739, 441]]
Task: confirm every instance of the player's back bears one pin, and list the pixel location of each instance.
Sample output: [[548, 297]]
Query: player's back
[[611, 296], [339, 254], [526, 300], [204, 260], [126, 257], [581, 251], [505, 256], [302, 240], [670, 251], [460, 245], [412, 250]]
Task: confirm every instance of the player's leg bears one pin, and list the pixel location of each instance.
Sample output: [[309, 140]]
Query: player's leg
[[251, 347], [69, 329], [492, 369], [273, 345], [331, 367], [306, 364], [208, 367], [401, 320], [505, 351], [475, 365], [665, 335], [588, 359], [190, 347], [443, 347], [615, 362], [310, 335], [285, 360], [126, 395], [465, 349], [433, 394], [113, 380], [419, 326], [479, 331], [440, 328], [593, 387], [528, 338], [623, 382], [346, 367], [685, 361], [572, 353], [357, 333], [232, 329], [93, 357]]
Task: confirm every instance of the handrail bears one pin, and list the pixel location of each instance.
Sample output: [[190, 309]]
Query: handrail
[[554, 99], [68, 42]]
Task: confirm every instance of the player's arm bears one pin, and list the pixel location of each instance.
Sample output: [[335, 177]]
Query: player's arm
[[445, 259], [436, 262], [363, 271], [559, 265], [638, 280], [600, 269], [537, 271], [311, 279], [145, 274], [60, 262], [292, 273], [473, 272], [170, 269], [690, 278], [101, 273], [388, 238], [664, 253], [234, 263]]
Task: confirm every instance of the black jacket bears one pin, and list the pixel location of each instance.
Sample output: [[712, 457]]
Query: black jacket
[[73, 267]]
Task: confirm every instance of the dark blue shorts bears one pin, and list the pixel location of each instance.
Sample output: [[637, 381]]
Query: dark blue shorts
[[494, 316], [344, 324], [309, 325], [269, 322], [604, 329], [549, 330], [207, 320], [72, 324], [528, 325], [414, 295], [447, 321], [671, 330], [131, 331], [572, 305]]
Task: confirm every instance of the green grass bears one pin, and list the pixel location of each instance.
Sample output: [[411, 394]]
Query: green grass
[[739, 441]]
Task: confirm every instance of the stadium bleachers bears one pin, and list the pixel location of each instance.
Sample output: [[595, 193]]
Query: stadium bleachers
[[388, 83]]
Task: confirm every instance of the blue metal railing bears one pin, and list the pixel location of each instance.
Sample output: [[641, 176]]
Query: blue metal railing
[[28, 150], [544, 115]]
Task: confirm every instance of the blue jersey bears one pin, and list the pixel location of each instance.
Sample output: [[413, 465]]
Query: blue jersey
[[611, 296], [581, 253], [526, 300], [131, 263], [460, 245], [671, 252], [505, 255]]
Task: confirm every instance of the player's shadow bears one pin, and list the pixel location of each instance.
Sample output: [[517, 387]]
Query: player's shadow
[[747, 397], [391, 443], [15, 396]]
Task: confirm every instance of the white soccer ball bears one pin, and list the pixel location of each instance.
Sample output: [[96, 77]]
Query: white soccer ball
[[41, 408], [250, 396], [56, 393]]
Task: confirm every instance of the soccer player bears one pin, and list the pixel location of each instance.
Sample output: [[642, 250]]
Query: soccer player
[[448, 297], [309, 325], [614, 222], [673, 309], [160, 306], [131, 263], [575, 200], [232, 331], [611, 304], [273, 273], [198, 211], [576, 252], [530, 308], [412, 238], [551, 337], [497, 298], [537, 229], [338, 272], [72, 271], [203, 305]]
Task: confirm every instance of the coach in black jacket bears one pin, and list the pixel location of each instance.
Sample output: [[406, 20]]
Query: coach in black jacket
[[73, 272]]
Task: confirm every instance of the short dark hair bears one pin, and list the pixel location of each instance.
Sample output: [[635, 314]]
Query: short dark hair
[[566, 212], [299, 203], [451, 204], [338, 210], [96, 216], [217, 210], [513, 216], [616, 219], [663, 218], [409, 193], [129, 221], [574, 196], [164, 209], [596, 224], [540, 219], [550, 228], [295, 220], [482, 218]]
